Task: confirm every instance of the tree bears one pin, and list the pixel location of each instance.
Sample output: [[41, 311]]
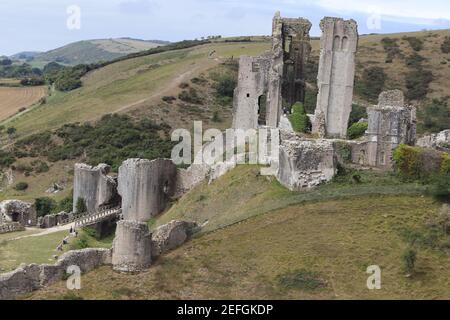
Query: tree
[[81, 206]]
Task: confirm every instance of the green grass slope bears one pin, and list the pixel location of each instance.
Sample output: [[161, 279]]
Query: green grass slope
[[243, 193], [318, 250]]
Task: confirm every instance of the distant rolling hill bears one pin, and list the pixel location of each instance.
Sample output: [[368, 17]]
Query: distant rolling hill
[[88, 51]]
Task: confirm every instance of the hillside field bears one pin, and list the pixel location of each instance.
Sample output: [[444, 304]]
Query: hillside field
[[12, 99], [330, 242]]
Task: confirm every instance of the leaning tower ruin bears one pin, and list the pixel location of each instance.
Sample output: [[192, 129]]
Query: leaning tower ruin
[[335, 80]]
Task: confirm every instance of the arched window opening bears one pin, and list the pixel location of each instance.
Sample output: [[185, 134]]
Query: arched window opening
[[262, 110]]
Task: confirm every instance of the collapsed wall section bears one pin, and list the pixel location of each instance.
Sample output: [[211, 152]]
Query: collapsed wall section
[[305, 163]]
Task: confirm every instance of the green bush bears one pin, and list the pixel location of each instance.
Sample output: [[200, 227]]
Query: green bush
[[358, 113], [11, 131], [81, 206], [21, 186], [66, 204], [6, 159], [409, 259], [434, 117], [357, 130], [371, 83], [111, 140], [225, 85], [45, 206], [420, 164], [415, 43], [445, 47], [392, 48], [415, 60], [418, 83], [190, 96], [299, 119]]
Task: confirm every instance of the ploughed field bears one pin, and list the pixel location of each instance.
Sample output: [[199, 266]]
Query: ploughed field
[[13, 99]]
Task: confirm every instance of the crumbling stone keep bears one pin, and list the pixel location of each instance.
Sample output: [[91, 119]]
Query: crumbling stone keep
[[336, 75], [145, 187], [265, 81], [94, 186], [391, 123]]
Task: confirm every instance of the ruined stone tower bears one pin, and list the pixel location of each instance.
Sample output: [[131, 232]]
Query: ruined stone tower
[[267, 82], [335, 80], [297, 49], [390, 123], [93, 186]]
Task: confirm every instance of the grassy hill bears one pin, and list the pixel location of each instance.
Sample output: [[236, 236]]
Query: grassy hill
[[89, 51], [293, 248]]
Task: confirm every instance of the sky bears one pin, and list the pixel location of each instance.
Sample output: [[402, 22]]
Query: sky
[[41, 25]]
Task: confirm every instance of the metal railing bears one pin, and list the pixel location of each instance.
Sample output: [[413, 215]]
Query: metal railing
[[88, 218], [91, 219]]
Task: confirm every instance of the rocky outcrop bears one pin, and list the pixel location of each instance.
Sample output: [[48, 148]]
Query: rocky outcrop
[[305, 163], [28, 278], [170, 236], [94, 186], [439, 140], [146, 187], [132, 247], [18, 211]]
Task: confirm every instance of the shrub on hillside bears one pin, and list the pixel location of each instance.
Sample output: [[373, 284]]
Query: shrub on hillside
[[112, 140], [419, 164], [357, 130], [358, 113], [6, 159], [225, 85], [21, 186], [445, 47], [44, 206], [298, 118], [409, 259], [434, 117], [81, 206], [65, 204], [414, 60], [371, 83], [35, 81], [415, 43], [418, 83], [190, 96], [392, 48]]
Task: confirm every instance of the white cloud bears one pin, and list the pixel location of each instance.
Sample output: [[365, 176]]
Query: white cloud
[[419, 9]]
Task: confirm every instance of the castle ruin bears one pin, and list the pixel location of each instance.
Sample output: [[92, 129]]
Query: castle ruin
[[338, 46], [274, 79]]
